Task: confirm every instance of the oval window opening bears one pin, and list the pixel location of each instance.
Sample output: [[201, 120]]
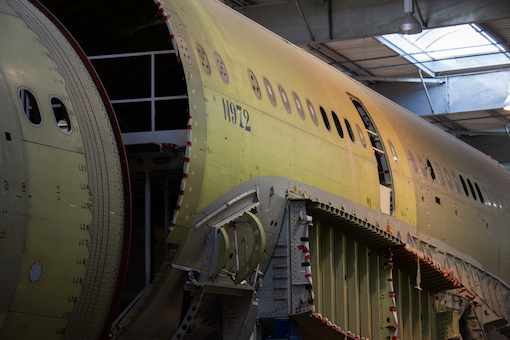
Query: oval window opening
[[349, 129], [456, 182], [60, 114], [269, 90], [361, 136], [325, 119], [479, 193], [422, 166], [337, 125], [471, 188], [393, 151], [254, 84], [299, 107], [313, 115], [221, 68], [464, 185], [431, 169], [30, 106], [448, 179], [285, 99], [411, 160], [204, 59]]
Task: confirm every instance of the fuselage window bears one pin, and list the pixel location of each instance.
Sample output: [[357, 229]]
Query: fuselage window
[[183, 49], [30, 106], [299, 107], [325, 119], [411, 160], [479, 193], [285, 99], [456, 181], [393, 151], [464, 185], [269, 90], [448, 179], [203, 59], [431, 169], [349, 129], [361, 136], [254, 84], [471, 188], [423, 167], [221, 67], [439, 175], [61, 115], [337, 125], [315, 120]]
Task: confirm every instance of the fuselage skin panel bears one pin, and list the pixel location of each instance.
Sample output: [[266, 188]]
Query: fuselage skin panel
[[238, 136]]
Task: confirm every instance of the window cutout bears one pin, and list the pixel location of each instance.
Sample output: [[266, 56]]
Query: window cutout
[[456, 181], [60, 114], [269, 90], [431, 169], [254, 84], [337, 125], [439, 175], [448, 179], [411, 160], [221, 67], [203, 59], [393, 151], [315, 120], [30, 106], [183, 49], [325, 119], [349, 129], [479, 193], [464, 185], [285, 99], [299, 107], [361, 136], [471, 188], [422, 166]]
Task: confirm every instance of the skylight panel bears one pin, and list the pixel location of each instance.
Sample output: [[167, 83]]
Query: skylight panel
[[448, 48]]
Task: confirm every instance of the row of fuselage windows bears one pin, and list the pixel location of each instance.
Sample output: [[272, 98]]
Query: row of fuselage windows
[[470, 189], [463, 186], [222, 69], [32, 112], [301, 109]]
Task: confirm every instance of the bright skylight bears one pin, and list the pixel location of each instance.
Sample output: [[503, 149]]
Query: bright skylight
[[448, 48]]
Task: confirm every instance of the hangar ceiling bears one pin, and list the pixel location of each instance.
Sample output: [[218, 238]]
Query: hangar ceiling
[[345, 34]]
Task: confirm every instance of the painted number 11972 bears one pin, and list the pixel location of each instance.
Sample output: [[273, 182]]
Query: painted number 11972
[[235, 114]]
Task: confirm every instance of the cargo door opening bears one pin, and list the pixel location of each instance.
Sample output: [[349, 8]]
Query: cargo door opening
[[149, 95], [385, 178]]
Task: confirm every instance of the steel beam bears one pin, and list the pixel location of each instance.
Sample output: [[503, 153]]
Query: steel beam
[[464, 93], [352, 18]]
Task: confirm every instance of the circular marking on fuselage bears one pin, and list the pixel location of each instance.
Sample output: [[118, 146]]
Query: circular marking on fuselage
[[35, 271]]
